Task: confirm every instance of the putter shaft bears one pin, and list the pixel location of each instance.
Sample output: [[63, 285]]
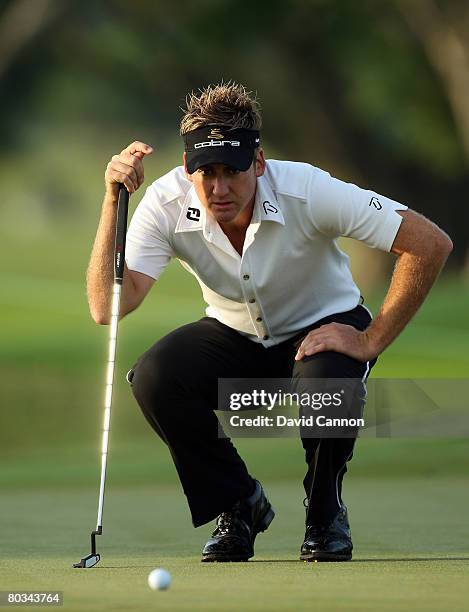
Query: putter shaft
[[119, 258]]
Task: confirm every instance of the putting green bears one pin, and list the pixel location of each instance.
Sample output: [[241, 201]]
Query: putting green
[[411, 550]]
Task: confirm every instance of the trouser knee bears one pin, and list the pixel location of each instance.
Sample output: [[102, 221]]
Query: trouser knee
[[152, 379]]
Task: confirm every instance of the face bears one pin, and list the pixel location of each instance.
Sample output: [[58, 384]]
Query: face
[[228, 194]]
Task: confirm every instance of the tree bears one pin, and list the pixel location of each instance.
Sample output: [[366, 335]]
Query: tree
[[21, 21], [443, 31]]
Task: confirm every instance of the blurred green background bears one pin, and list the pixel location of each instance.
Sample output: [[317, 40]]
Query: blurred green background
[[376, 92]]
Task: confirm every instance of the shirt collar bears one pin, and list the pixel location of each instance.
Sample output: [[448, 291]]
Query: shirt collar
[[266, 202], [193, 215]]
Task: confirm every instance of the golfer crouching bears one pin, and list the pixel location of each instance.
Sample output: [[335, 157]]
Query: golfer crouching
[[260, 236]]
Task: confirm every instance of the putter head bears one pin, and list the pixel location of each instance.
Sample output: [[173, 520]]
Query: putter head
[[89, 561], [93, 558]]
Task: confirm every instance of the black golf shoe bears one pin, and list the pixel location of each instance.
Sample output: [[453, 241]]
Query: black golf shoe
[[330, 542], [236, 530]]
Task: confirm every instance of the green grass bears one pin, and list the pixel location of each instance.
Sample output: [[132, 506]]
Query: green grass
[[410, 551], [146, 460]]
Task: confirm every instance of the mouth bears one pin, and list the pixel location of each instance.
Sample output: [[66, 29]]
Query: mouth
[[221, 206]]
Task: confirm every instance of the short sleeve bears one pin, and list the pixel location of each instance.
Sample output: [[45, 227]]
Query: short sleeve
[[342, 209], [148, 249]]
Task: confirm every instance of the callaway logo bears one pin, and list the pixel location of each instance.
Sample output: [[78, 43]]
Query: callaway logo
[[376, 203], [268, 207], [193, 214], [215, 133], [217, 143]]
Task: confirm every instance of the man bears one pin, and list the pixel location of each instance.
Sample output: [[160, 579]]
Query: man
[[260, 237]]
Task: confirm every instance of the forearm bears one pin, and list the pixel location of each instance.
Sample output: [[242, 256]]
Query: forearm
[[422, 249], [412, 279], [100, 274], [124, 169]]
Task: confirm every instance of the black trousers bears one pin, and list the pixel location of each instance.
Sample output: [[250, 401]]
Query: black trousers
[[175, 383]]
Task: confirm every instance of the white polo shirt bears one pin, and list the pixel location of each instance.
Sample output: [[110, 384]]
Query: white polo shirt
[[291, 273]]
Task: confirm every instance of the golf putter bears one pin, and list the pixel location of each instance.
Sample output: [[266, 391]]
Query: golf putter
[[119, 257]]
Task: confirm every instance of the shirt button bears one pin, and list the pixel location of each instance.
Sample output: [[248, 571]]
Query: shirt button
[[246, 277], [266, 337], [252, 301], [259, 319]]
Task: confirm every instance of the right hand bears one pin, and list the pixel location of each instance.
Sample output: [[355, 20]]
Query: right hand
[[127, 168]]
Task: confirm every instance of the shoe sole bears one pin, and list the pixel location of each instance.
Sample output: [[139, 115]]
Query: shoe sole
[[323, 556], [262, 525], [222, 559]]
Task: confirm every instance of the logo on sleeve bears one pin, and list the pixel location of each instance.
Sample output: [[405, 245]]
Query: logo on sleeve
[[376, 203], [193, 214], [268, 207]]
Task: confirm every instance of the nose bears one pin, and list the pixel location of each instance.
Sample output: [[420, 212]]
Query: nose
[[220, 187]]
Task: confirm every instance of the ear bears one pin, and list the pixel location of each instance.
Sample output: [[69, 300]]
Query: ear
[[188, 176], [260, 162]]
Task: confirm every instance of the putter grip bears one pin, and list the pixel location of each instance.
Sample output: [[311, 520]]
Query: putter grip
[[121, 231]]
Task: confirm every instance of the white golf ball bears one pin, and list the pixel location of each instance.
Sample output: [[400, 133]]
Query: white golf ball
[[159, 579]]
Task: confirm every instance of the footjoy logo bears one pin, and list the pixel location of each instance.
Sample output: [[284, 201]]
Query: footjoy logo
[[217, 143], [193, 214], [376, 203]]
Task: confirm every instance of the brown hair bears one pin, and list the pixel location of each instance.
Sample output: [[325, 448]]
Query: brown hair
[[224, 104]]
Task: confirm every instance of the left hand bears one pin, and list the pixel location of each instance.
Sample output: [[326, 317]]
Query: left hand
[[337, 337]]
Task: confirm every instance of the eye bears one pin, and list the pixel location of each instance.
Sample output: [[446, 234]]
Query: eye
[[205, 171], [233, 171]]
